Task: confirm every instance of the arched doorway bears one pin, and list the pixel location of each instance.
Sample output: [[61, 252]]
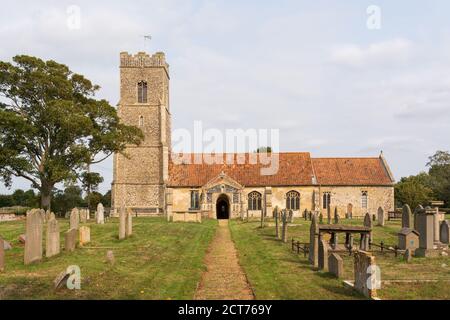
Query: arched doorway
[[223, 207]]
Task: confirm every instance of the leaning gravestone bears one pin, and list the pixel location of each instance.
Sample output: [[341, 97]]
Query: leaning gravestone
[[71, 240], [380, 214], [314, 242], [100, 213], [33, 236], [444, 231], [122, 223], [52, 245], [129, 223], [406, 217], [336, 265], [74, 219], [85, 235], [2, 255], [365, 281], [323, 255]]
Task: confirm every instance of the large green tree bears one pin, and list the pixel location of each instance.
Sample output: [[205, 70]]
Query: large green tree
[[51, 125], [414, 190], [439, 171]]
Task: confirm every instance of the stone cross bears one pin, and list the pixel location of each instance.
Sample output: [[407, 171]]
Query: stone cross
[[70, 240], [336, 265], [74, 219], [323, 255], [129, 223], [406, 216], [52, 241], [85, 235], [33, 236], [363, 263], [314, 242], [100, 213], [380, 214], [122, 223], [444, 232], [2, 255]]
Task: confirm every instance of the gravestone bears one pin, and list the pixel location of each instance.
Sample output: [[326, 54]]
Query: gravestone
[[329, 214], [52, 246], [323, 255], [336, 215], [122, 223], [444, 232], [51, 216], [277, 226], [419, 208], [336, 265], [364, 267], [74, 219], [425, 227], [314, 242], [380, 214], [320, 217], [291, 216], [85, 235], [408, 255], [42, 213], [110, 257], [71, 240], [350, 210], [100, 216], [33, 236], [48, 215], [2, 255], [406, 217], [408, 239], [129, 223], [284, 219], [437, 223], [83, 217], [305, 214], [368, 223]]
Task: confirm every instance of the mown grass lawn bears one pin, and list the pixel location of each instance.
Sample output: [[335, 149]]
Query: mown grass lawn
[[275, 272], [160, 261]]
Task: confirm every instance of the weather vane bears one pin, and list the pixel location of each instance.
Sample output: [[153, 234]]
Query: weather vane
[[146, 37]]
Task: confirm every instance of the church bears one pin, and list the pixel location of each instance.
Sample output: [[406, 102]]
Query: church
[[149, 182]]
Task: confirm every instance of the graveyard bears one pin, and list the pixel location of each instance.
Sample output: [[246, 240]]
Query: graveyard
[[159, 261]]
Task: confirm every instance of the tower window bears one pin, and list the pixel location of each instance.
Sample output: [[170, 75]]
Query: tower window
[[141, 121], [254, 201], [326, 200], [142, 92], [293, 200], [364, 199]]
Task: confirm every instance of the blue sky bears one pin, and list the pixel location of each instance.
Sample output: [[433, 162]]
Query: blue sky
[[309, 68]]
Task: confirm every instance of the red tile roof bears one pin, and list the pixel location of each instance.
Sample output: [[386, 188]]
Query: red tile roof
[[295, 169], [351, 171]]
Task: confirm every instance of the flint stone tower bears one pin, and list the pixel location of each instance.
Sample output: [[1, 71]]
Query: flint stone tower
[[139, 181]]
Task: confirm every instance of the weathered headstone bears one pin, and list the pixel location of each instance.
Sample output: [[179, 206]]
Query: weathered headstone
[[284, 219], [100, 216], [406, 217], [364, 270], [291, 216], [419, 208], [368, 223], [110, 257], [33, 236], [320, 217], [350, 210], [336, 215], [329, 214], [122, 223], [2, 255], [52, 245], [305, 214], [425, 227], [314, 242], [129, 223], [437, 223], [323, 255], [83, 217], [408, 255], [380, 214], [444, 232], [71, 240], [74, 219], [85, 235], [336, 265], [277, 224], [408, 239]]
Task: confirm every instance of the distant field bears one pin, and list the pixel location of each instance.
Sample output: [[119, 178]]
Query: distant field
[[160, 261]]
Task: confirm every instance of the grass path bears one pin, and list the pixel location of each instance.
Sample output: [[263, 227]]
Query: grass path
[[224, 278]]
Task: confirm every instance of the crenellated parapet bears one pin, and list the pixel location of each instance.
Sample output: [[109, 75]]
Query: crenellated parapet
[[142, 60]]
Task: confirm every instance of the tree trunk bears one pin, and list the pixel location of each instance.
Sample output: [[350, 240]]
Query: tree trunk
[[46, 195]]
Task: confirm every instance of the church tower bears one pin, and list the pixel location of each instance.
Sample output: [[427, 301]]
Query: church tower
[[139, 179]]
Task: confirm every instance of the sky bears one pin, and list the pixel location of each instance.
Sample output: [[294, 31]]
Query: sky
[[335, 77]]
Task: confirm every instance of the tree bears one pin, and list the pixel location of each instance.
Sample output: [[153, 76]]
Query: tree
[[439, 171], [106, 200], [414, 190], [64, 200], [51, 125]]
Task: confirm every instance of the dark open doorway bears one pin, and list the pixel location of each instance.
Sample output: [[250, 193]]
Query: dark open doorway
[[223, 207]]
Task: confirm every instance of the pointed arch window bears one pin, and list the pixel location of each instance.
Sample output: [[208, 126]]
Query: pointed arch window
[[254, 200], [326, 200], [364, 199], [142, 92], [293, 200]]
